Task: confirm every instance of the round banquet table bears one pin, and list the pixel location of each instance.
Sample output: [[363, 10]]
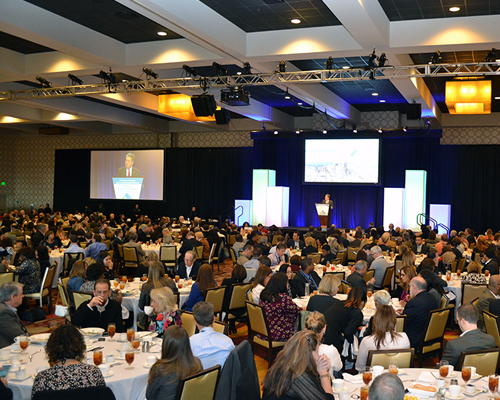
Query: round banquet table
[[132, 292], [125, 384], [423, 376]]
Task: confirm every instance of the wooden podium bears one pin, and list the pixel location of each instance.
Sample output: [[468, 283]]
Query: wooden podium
[[323, 211]]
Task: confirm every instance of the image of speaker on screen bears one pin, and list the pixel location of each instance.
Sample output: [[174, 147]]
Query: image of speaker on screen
[[327, 200], [129, 170]]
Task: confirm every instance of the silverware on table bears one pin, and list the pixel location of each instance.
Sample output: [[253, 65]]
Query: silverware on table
[[31, 355]]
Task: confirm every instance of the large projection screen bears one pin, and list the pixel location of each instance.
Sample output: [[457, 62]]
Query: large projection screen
[[126, 174], [342, 161]]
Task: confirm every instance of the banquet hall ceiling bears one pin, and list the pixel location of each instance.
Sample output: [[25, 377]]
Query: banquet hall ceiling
[[52, 38]]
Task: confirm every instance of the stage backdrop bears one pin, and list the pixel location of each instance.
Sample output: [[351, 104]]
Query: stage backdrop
[[211, 179]]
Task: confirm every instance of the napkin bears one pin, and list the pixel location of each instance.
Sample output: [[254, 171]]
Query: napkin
[[427, 377], [355, 379]]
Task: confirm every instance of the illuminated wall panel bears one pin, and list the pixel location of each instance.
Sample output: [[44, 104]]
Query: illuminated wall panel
[[262, 178], [415, 191], [278, 198], [393, 207], [442, 214], [246, 209]]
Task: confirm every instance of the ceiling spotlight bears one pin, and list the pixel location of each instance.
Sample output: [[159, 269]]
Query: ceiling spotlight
[[110, 78], [491, 57], [287, 96], [346, 67], [276, 132], [325, 131], [297, 131], [329, 63], [428, 124], [219, 68], [379, 130], [295, 21], [354, 129], [247, 68], [454, 9], [405, 129], [374, 94], [382, 60], [436, 57], [299, 103], [44, 82], [150, 73], [75, 80], [282, 66], [189, 70], [382, 101], [161, 33]]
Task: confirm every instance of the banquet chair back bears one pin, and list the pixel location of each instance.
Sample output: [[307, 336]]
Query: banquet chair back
[[237, 301], [168, 257], [107, 243], [404, 357], [316, 257], [199, 252], [45, 291], [471, 291], [130, 257], [199, 386], [258, 325], [477, 258], [340, 275], [220, 327], [398, 264], [475, 301], [6, 277], [400, 323], [461, 263], [344, 286], [454, 266], [231, 239], [188, 322], [81, 297], [216, 297], [233, 255], [491, 325], [93, 392], [432, 341], [120, 251], [63, 294], [387, 282], [369, 275], [68, 260], [351, 253], [214, 255], [485, 361]]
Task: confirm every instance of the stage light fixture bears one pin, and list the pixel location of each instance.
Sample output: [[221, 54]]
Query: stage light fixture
[[75, 80], [247, 68], [354, 129], [110, 78], [189, 70], [382, 60], [219, 68], [150, 73], [282, 66], [325, 131], [379, 130], [287, 96], [405, 129], [44, 82], [428, 124], [329, 63], [491, 57], [297, 131], [436, 58], [275, 132]]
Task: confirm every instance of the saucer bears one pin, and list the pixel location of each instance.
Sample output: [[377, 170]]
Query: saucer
[[475, 377], [449, 396], [110, 373], [452, 375], [19, 380], [146, 365], [476, 391]]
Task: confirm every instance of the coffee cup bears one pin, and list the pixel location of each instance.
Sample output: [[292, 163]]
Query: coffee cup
[[344, 395], [338, 384], [378, 370], [455, 390], [450, 370], [472, 371], [110, 359], [104, 369], [441, 383], [15, 347], [148, 310], [153, 359], [4, 353], [41, 368], [469, 388], [21, 373], [122, 353], [123, 336]]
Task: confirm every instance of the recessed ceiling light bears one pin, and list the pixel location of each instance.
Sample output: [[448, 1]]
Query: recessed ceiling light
[[238, 73], [374, 94], [299, 104], [161, 33], [454, 9], [295, 21], [382, 101], [346, 67]]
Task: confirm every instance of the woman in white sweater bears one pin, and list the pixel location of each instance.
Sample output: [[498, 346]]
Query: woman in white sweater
[[383, 337]]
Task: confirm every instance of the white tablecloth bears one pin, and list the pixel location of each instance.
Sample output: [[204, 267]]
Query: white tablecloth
[[125, 384]]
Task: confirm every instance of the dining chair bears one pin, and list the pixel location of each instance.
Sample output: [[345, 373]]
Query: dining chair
[[470, 291], [404, 357], [216, 297], [233, 255], [130, 257], [338, 274], [214, 255], [400, 323], [199, 252], [220, 327], [68, 260], [369, 275], [491, 325], [80, 297], [485, 361], [188, 323], [45, 287], [168, 257], [432, 341], [199, 386], [63, 294], [6, 277], [387, 281], [237, 301]]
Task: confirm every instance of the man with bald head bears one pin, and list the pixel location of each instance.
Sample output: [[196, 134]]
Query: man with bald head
[[492, 292], [417, 311]]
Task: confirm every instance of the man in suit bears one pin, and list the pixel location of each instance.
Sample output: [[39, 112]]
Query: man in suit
[[357, 278], [39, 236], [129, 169], [11, 297], [417, 311], [419, 247], [471, 338], [327, 200], [492, 292], [380, 265], [188, 244], [295, 242], [133, 243], [490, 261], [190, 267], [306, 275]]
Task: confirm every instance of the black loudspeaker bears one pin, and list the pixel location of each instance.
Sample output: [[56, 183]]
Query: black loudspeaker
[[222, 116], [413, 111], [204, 105]]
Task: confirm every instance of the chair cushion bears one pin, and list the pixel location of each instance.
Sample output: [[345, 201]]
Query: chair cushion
[[432, 347], [265, 343]]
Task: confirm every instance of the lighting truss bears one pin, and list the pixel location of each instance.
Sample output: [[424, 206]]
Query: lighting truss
[[317, 76]]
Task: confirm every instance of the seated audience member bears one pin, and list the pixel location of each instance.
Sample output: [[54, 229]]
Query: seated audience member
[[316, 323], [295, 263], [280, 310], [295, 242], [490, 260], [310, 247], [326, 255], [18, 246], [5, 392], [446, 262], [100, 310], [307, 275], [143, 268], [205, 280], [51, 241], [238, 245], [380, 298], [417, 311], [77, 277], [344, 318], [328, 288], [474, 274], [279, 257], [387, 387], [260, 281], [42, 255], [402, 291], [253, 263], [67, 354], [357, 277], [211, 347], [419, 247], [74, 247], [490, 293], [292, 289], [299, 378], [188, 244], [246, 254], [165, 310], [105, 259], [380, 265], [11, 297], [471, 338], [238, 275], [206, 246], [189, 267], [431, 263], [95, 247], [176, 362], [132, 242], [383, 336], [29, 271], [433, 286]]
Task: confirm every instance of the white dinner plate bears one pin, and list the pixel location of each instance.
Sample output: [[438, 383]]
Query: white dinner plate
[[40, 338], [449, 396], [92, 331], [423, 393]]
